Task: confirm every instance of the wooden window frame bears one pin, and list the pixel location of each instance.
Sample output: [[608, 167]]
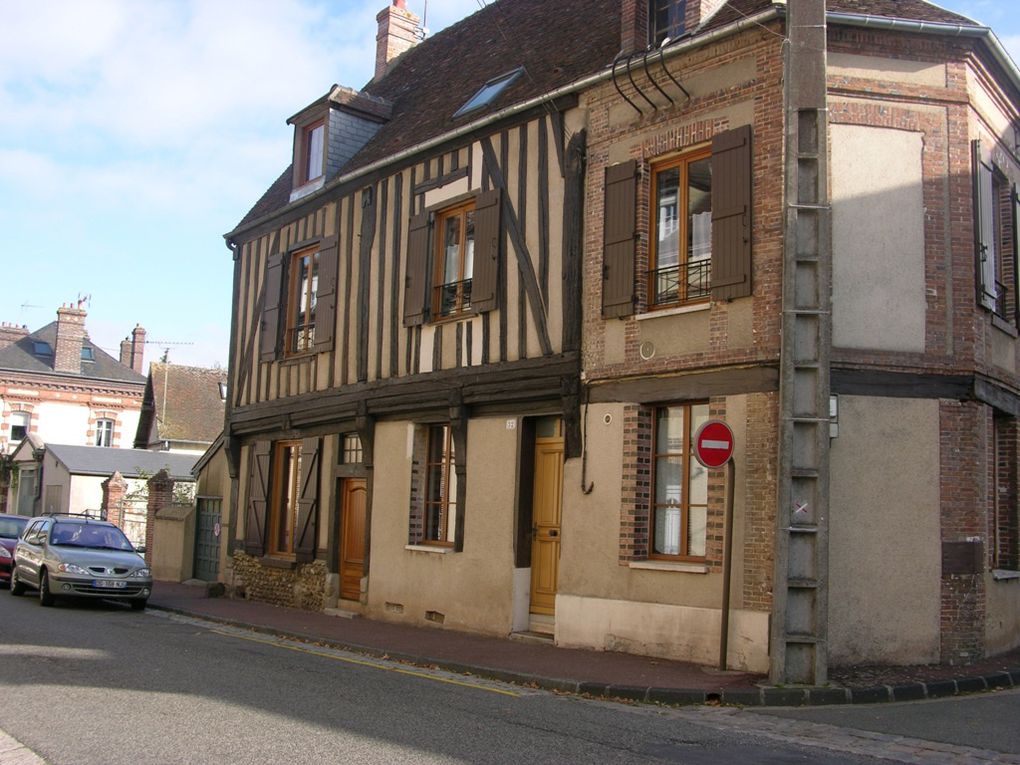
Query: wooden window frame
[[446, 504], [306, 151], [99, 431], [462, 302], [19, 415], [683, 162], [299, 339], [686, 456], [278, 496]]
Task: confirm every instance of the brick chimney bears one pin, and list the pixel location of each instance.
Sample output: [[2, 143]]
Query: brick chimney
[[399, 31], [70, 336], [137, 348], [633, 25], [11, 333]]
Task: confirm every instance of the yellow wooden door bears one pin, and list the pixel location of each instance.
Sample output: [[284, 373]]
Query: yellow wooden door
[[352, 538], [546, 509]]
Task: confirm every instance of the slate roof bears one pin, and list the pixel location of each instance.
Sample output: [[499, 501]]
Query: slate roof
[[557, 42], [183, 403], [21, 357], [131, 463]]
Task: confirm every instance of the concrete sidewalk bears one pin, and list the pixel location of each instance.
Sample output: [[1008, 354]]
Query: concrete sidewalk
[[596, 673]]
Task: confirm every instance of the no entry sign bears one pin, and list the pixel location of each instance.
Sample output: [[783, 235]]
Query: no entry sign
[[713, 444]]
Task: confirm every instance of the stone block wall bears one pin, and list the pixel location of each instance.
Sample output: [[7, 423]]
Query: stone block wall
[[303, 586]]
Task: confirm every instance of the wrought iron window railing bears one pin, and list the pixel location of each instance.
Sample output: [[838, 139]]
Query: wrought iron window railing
[[452, 298], [675, 285], [1001, 300]]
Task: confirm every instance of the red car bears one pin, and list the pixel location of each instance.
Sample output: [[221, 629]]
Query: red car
[[11, 527]]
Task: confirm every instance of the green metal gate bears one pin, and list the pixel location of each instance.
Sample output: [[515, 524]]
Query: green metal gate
[[207, 539]]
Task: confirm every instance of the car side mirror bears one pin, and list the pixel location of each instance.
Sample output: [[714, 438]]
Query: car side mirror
[[140, 549]]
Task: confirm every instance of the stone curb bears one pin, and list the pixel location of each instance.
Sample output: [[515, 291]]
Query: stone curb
[[744, 697]]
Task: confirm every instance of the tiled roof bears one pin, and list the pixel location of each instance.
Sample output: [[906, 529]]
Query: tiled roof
[[184, 402], [21, 357], [556, 42], [130, 463]]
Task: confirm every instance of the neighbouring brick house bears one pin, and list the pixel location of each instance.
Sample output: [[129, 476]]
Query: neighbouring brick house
[[57, 386], [474, 337]]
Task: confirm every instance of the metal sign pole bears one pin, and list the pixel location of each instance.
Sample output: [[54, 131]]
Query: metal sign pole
[[724, 632]]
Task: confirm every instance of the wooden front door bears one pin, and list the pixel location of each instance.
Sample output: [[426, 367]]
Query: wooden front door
[[546, 508], [352, 537]]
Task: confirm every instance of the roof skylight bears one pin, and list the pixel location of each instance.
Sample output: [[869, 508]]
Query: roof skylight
[[488, 92], [41, 348]]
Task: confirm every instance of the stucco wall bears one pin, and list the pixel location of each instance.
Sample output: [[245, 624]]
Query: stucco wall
[[884, 538], [661, 612], [878, 297], [473, 589]]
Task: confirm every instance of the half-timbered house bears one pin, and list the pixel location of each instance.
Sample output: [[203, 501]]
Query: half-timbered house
[[478, 320]]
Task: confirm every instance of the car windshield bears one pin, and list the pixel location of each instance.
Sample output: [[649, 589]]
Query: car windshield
[[11, 528], [85, 535]]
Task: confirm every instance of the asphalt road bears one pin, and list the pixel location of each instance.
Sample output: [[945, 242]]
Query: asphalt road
[[98, 683]]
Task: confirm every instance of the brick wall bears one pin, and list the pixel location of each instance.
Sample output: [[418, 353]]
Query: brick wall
[[114, 488], [160, 495], [964, 451]]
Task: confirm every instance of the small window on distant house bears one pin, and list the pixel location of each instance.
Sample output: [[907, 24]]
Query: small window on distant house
[[87, 354], [488, 92], [40, 348], [312, 142], [223, 391], [20, 422], [680, 256], [304, 283], [455, 255], [104, 432], [665, 19]]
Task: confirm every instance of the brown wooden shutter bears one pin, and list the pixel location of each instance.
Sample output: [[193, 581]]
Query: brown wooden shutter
[[308, 502], [488, 249], [416, 275], [984, 225], [258, 493], [619, 236], [731, 214], [1015, 233], [325, 295], [271, 310]]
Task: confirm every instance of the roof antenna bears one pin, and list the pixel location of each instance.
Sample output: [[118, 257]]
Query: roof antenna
[[424, 31]]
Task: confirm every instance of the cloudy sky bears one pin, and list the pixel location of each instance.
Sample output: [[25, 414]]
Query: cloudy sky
[[134, 133]]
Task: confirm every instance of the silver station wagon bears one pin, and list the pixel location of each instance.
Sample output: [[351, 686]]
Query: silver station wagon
[[63, 555]]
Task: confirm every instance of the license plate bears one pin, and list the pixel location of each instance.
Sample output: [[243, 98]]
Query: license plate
[[109, 584]]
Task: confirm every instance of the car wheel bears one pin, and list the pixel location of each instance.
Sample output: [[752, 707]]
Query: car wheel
[[139, 605], [45, 596], [17, 588]]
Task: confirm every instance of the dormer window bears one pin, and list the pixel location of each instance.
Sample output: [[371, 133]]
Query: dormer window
[[312, 144], [488, 92], [87, 354], [41, 348], [665, 19]]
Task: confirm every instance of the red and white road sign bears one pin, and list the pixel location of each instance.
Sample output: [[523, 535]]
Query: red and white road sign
[[713, 444]]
